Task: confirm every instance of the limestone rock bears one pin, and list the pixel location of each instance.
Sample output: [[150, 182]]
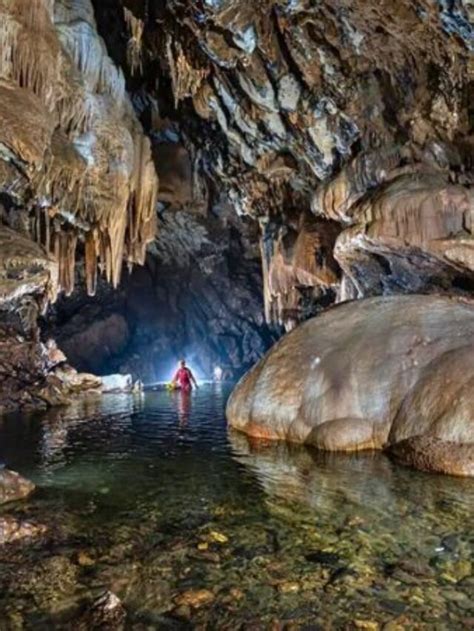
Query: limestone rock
[[73, 153], [75, 382], [357, 112], [34, 375], [25, 268], [366, 375], [413, 232], [117, 383], [13, 486]]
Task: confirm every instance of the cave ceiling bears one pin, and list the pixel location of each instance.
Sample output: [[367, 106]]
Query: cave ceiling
[[344, 128]]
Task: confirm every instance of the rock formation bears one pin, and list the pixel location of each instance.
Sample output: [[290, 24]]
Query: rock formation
[[344, 129], [76, 176], [32, 373], [13, 486], [382, 372], [76, 168]]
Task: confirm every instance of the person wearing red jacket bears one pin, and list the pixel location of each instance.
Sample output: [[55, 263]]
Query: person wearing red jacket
[[184, 378]]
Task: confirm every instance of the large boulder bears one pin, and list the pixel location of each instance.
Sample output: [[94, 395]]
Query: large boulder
[[384, 372]]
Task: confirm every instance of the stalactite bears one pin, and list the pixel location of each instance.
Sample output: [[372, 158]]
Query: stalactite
[[90, 58], [186, 79], [142, 203], [67, 258], [95, 173], [34, 62], [91, 262], [135, 43]]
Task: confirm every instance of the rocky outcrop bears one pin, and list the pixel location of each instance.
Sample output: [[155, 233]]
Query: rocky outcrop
[[32, 373], [26, 270], [35, 375], [371, 374], [414, 233]]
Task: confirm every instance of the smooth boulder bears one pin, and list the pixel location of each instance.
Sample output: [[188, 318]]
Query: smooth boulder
[[371, 374]]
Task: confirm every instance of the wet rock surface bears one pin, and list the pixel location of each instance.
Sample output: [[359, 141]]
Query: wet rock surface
[[12, 530], [36, 375], [13, 486], [367, 375]]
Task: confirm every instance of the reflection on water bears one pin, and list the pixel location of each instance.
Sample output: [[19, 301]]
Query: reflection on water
[[150, 497]]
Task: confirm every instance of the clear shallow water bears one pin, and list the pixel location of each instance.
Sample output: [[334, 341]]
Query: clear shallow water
[[150, 497]]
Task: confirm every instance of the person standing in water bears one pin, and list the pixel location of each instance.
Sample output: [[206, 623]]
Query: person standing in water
[[184, 378]]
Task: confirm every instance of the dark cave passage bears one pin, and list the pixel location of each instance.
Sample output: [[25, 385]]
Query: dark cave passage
[[199, 296]]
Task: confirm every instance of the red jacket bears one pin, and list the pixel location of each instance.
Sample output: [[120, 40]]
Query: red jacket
[[183, 377]]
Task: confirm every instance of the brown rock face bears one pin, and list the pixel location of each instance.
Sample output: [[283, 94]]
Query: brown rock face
[[367, 375], [25, 269]]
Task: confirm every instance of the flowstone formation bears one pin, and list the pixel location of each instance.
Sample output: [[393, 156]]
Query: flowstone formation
[[76, 168], [383, 373], [344, 129], [76, 176]]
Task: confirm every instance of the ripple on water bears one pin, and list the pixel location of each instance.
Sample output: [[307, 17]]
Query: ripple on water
[[161, 500]]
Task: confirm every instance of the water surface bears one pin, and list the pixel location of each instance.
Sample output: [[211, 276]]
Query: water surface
[[192, 527]]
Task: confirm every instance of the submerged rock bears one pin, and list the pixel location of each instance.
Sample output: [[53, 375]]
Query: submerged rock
[[368, 375], [12, 529], [106, 612], [13, 486], [195, 598], [429, 453]]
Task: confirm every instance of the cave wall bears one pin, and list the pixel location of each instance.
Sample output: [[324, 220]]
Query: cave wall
[[76, 173], [77, 184], [356, 113]]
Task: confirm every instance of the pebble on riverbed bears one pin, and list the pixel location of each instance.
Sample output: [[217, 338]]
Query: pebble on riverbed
[[12, 529], [194, 598]]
